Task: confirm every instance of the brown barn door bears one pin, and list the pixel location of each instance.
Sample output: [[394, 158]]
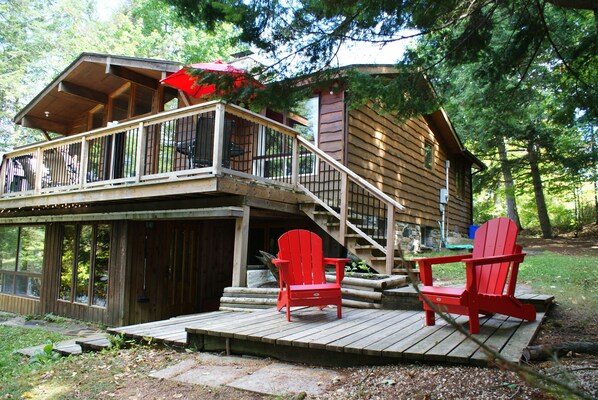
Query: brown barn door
[[183, 293]]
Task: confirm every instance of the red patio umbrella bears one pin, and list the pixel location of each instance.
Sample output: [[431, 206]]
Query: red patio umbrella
[[183, 80]]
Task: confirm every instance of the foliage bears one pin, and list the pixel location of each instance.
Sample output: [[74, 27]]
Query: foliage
[[38, 39], [45, 355], [570, 279], [13, 368], [119, 342], [519, 73], [359, 266]]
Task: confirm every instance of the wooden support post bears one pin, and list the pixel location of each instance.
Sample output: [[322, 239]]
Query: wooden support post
[[344, 207], [112, 156], [3, 168], [295, 163], [38, 169], [240, 249], [139, 163], [83, 163], [218, 138], [390, 239]]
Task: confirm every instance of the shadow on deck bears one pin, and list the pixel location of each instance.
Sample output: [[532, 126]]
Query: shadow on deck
[[361, 337]]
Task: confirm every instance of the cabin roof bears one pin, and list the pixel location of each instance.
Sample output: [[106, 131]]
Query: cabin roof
[[85, 83]]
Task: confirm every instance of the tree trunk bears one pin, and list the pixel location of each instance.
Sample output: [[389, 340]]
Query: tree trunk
[[532, 155], [509, 183], [545, 352]]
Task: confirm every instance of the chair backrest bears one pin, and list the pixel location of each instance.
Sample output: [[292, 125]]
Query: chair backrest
[[304, 250], [204, 144], [496, 237]]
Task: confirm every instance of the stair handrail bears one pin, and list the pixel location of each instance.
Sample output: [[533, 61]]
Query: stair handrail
[[392, 205], [343, 169]]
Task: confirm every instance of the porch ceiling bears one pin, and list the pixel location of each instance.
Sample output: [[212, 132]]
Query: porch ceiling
[[87, 82]]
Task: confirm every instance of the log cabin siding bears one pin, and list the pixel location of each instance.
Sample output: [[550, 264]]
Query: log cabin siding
[[391, 156]]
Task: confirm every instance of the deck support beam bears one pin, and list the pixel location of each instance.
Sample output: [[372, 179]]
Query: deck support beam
[[240, 249]]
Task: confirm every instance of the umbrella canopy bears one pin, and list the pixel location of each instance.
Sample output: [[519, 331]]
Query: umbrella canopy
[[183, 80]]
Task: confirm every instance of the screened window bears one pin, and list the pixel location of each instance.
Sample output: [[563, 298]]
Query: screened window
[[85, 261], [21, 260], [428, 155]]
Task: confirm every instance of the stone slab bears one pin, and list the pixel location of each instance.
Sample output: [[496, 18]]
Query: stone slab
[[286, 379]]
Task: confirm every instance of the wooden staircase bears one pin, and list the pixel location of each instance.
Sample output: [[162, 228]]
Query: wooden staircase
[[356, 244], [355, 213]]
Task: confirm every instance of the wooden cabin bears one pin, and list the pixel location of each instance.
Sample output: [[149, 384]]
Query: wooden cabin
[[150, 203]]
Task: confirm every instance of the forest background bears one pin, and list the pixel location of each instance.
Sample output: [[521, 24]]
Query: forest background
[[518, 79]]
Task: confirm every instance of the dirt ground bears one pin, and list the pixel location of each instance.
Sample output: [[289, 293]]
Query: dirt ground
[[398, 381]]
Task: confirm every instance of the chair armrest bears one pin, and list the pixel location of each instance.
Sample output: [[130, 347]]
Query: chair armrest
[[283, 269], [339, 264], [425, 265], [496, 259]]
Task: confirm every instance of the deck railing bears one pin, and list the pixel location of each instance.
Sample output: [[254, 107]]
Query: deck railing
[[205, 140]]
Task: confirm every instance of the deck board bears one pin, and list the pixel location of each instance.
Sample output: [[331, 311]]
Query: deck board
[[361, 336]]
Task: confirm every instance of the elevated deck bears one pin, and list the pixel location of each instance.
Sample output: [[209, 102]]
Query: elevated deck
[[361, 337]]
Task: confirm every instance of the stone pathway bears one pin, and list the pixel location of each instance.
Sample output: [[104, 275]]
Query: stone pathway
[[256, 375]]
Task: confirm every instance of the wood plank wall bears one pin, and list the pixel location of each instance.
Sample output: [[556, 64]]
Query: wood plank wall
[[331, 137], [187, 266], [390, 155], [19, 305]]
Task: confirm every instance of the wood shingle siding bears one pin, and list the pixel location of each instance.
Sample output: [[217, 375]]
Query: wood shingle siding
[[390, 155], [332, 125]]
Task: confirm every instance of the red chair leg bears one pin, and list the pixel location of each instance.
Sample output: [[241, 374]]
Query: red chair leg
[[288, 313], [430, 318], [474, 323], [339, 311]]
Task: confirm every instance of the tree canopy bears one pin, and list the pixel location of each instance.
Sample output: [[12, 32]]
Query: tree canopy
[[518, 78], [38, 39]]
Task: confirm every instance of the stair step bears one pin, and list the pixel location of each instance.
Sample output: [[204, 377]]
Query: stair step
[[248, 300], [94, 343], [251, 292]]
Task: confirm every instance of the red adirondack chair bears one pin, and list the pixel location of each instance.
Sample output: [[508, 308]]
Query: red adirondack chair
[[495, 258], [302, 277]]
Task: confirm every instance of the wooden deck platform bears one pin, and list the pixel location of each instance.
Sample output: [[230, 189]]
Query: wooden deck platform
[[361, 337]]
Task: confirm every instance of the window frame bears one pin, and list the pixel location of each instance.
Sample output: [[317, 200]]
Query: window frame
[[15, 272], [428, 156], [91, 275]]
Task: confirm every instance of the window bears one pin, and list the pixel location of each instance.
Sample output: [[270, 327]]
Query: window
[[144, 97], [460, 181], [96, 119], [85, 262], [120, 105], [21, 260], [428, 155], [274, 148]]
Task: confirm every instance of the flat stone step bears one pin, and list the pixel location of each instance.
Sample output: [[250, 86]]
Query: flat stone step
[[97, 343], [70, 346]]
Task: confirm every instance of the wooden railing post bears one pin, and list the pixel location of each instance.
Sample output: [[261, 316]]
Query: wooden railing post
[[39, 167], [139, 164], [218, 138], [344, 207], [83, 163], [295, 162], [390, 239], [3, 168], [240, 249]]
